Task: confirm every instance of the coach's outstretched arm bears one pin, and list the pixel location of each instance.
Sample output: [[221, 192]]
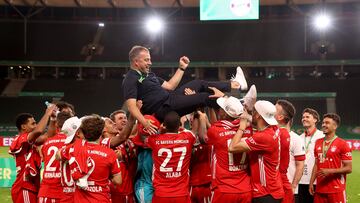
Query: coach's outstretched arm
[[176, 78], [134, 111]]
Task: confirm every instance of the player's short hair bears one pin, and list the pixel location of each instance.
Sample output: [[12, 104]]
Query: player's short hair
[[22, 119], [334, 117], [92, 127], [172, 121], [135, 51], [113, 114], [63, 104], [62, 117], [313, 112], [287, 108]]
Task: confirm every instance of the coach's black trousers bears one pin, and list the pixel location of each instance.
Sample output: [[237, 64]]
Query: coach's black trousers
[[185, 104]]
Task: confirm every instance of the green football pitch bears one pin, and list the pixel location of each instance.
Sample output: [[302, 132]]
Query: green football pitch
[[352, 190]]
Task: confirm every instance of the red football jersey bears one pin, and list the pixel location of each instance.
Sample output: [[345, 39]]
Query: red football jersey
[[337, 152], [284, 156], [51, 186], [171, 156], [104, 165], [106, 142], [264, 158], [200, 172], [128, 165], [230, 169], [67, 181], [20, 149]]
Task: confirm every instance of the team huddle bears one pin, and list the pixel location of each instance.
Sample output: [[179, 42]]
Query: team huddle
[[192, 143]]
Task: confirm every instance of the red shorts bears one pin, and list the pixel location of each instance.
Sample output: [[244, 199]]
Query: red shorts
[[231, 197], [200, 193], [48, 200], [67, 198], [122, 198], [288, 197], [330, 197], [183, 199], [23, 196]]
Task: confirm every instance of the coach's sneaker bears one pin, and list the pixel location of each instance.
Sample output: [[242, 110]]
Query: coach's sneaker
[[250, 98], [240, 78]]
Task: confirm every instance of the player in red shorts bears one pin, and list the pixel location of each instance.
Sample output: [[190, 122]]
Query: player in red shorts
[[104, 164], [25, 189], [171, 155], [284, 113], [51, 189], [333, 160], [230, 170], [264, 153]]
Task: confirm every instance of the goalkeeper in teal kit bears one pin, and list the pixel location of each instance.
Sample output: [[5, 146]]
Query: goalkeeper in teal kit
[[143, 184]]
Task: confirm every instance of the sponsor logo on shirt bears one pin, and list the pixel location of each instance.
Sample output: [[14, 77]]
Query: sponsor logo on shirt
[[348, 154]]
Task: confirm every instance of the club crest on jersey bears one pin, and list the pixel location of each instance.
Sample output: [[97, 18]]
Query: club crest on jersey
[[252, 141], [333, 149], [348, 154]]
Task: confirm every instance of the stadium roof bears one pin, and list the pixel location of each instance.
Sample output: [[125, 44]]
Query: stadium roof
[[144, 3]]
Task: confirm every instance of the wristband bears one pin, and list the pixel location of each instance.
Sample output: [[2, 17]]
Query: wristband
[[52, 119], [183, 69]]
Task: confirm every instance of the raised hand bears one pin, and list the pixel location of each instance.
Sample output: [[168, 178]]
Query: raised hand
[[217, 93], [184, 62]]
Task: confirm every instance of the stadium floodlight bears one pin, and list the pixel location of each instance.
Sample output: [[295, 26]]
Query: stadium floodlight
[[101, 24], [155, 25], [322, 21]]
